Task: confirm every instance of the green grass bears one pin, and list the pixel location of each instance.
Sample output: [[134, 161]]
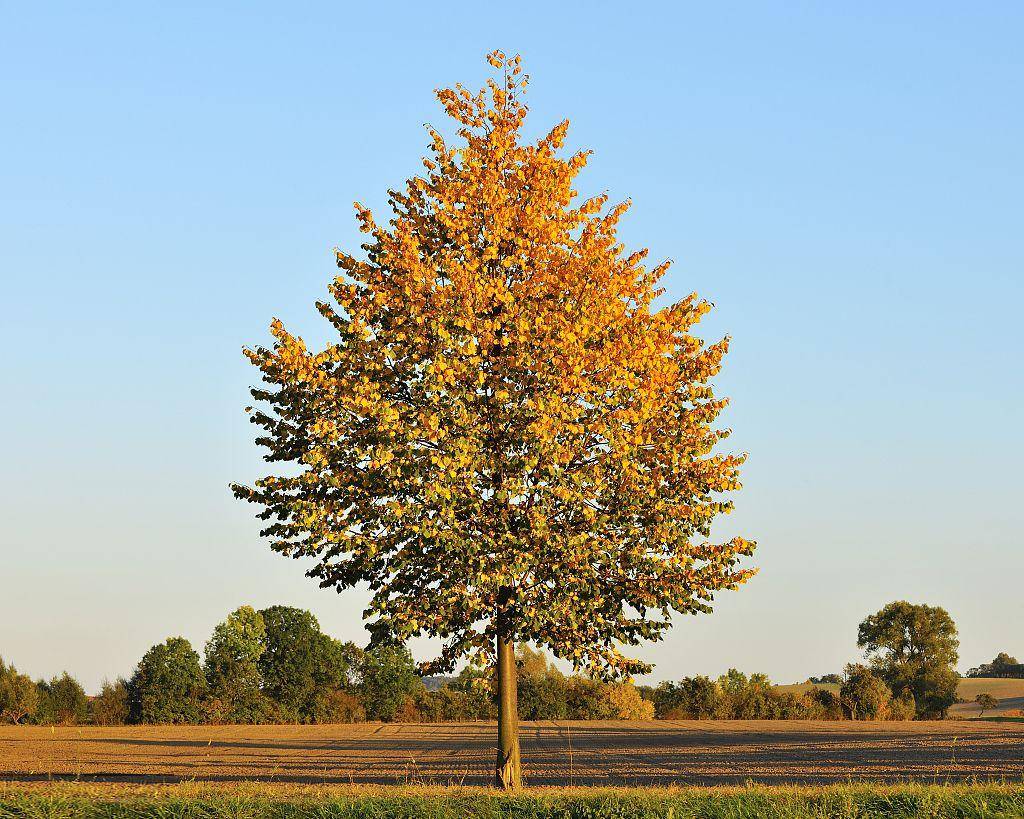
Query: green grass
[[70, 801]]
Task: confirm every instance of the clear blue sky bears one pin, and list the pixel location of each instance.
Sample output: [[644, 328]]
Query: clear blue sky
[[844, 183]]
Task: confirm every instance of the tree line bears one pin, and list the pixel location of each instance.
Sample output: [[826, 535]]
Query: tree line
[[277, 666]]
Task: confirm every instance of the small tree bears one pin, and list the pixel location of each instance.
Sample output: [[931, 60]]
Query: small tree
[[987, 703], [914, 648], [507, 439], [168, 685], [19, 696]]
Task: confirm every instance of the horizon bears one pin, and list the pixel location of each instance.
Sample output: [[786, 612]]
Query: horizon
[[844, 188]]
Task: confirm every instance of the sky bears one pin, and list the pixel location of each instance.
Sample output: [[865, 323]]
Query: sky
[[843, 181]]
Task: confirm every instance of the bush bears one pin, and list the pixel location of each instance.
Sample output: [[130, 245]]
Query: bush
[[820, 703], [626, 703], [864, 695], [110, 707], [343, 706]]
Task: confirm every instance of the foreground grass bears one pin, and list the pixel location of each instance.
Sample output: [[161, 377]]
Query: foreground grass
[[77, 801]]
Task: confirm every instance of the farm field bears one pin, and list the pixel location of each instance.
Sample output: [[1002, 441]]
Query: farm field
[[554, 753]]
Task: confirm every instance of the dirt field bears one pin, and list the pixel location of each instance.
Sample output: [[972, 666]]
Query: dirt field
[[555, 753]]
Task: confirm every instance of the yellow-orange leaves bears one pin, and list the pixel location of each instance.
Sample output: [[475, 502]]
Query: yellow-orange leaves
[[505, 411]]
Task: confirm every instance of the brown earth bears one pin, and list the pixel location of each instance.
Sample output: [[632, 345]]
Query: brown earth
[[555, 753]]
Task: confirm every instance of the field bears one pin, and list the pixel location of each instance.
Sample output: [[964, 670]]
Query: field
[[555, 753]]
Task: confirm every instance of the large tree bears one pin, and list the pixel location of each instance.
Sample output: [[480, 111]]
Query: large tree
[[508, 440], [301, 666], [232, 666], [913, 647], [168, 685]]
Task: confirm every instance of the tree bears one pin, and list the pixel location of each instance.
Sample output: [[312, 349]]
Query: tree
[[864, 695], [1002, 666], [62, 701], [110, 706], [507, 439], [987, 702], [301, 666], [541, 687], [168, 684], [19, 696], [389, 679], [914, 647], [232, 666]]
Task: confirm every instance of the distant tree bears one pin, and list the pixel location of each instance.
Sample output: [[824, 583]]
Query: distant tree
[[826, 679], [232, 667], [864, 695], [508, 437], [987, 702], [110, 706], [1002, 666], [584, 699], [744, 697], [19, 696], [389, 680], [168, 685], [301, 666], [542, 687], [914, 648], [62, 701]]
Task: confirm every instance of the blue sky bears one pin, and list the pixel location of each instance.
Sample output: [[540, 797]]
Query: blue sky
[[842, 180]]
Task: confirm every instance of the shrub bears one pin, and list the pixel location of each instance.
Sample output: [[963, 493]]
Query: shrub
[[864, 695], [626, 703], [343, 706], [110, 706]]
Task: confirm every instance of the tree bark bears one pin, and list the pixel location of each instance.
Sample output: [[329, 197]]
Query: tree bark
[[508, 772]]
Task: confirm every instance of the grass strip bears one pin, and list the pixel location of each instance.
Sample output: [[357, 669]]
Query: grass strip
[[187, 801]]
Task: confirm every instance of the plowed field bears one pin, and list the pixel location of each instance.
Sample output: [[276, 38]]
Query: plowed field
[[554, 753]]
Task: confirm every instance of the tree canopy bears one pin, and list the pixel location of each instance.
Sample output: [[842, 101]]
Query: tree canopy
[[300, 665], [508, 438], [914, 649], [232, 665], [505, 421], [168, 684]]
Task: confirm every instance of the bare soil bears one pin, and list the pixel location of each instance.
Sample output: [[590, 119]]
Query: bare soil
[[554, 753]]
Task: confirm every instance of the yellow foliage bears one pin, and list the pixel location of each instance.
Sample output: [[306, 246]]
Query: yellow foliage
[[506, 420]]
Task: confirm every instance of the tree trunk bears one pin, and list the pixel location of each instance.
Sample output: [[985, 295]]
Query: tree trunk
[[508, 773]]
